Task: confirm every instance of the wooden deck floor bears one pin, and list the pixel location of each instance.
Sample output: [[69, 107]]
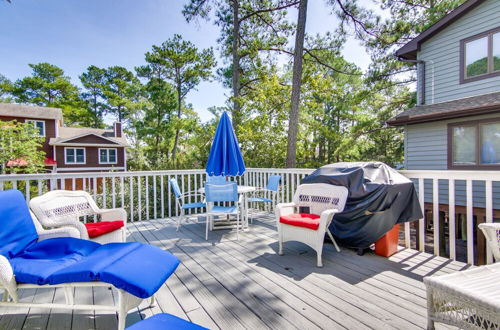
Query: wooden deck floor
[[229, 284]]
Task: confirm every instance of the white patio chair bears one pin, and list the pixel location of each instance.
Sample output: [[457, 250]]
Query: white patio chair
[[64, 208], [317, 204], [492, 233]]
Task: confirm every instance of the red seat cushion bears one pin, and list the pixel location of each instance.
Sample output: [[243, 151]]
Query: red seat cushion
[[306, 220], [96, 229]]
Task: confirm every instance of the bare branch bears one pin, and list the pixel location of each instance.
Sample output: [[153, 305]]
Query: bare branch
[[266, 10]]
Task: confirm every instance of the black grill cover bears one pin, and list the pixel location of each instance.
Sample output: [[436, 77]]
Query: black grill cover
[[379, 197]]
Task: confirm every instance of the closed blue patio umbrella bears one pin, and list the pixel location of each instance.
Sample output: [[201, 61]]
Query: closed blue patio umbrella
[[225, 154]]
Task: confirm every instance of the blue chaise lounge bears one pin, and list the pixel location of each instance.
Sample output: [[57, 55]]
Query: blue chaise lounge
[[26, 262]]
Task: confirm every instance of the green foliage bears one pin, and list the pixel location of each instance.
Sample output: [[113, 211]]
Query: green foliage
[[179, 62], [155, 127], [5, 89], [48, 86], [342, 111], [94, 82], [121, 92], [20, 143]]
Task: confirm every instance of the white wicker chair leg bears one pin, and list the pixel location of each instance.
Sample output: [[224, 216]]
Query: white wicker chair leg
[[333, 240], [152, 301], [126, 302], [319, 262], [430, 309], [5, 297]]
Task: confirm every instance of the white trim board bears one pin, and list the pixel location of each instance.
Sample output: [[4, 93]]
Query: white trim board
[[87, 134], [107, 168]]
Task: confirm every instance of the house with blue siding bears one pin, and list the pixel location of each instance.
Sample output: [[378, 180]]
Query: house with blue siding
[[456, 122]]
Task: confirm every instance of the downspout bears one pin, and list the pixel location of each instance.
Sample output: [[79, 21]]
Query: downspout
[[432, 81], [420, 77]]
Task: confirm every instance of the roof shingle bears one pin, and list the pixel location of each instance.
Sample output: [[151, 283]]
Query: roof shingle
[[475, 105]]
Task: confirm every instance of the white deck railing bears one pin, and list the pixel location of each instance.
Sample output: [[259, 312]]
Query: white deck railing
[[147, 195]]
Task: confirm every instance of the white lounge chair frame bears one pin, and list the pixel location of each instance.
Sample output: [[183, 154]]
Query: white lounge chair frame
[[8, 282], [64, 208], [492, 233], [322, 199]]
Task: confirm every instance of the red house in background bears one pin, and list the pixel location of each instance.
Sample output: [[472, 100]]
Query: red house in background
[[72, 149]]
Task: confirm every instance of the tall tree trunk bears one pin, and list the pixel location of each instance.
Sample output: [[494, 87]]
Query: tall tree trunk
[[177, 130], [236, 65], [293, 121]]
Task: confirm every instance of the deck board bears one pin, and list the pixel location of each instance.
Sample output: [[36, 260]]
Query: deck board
[[225, 283]]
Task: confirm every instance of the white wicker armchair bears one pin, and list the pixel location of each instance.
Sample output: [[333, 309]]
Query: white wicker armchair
[[492, 233], [43, 234], [63, 208], [323, 200]]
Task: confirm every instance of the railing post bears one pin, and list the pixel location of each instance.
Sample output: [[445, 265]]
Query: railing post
[[451, 219], [470, 223], [489, 213]]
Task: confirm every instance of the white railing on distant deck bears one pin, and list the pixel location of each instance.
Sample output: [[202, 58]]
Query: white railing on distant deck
[[147, 195]]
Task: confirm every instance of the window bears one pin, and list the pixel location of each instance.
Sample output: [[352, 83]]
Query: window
[[474, 145], [74, 155], [107, 156], [40, 125], [480, 56]]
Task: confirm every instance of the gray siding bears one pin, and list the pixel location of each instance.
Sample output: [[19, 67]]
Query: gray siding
[[442, 56], [427, 149]]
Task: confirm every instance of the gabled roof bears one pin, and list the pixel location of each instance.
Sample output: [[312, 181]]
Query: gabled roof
[[409, 51], [475, 105], [29, 111], [67, 135]]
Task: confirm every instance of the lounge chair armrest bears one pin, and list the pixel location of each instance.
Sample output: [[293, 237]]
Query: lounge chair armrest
[[326, 217], [113, 214], [285, 209], [67, 231], [7, 278]]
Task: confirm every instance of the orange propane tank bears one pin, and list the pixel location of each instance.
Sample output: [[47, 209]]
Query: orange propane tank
[[387, 245]]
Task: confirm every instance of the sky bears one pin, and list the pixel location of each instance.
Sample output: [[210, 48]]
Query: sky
[[74, 34]]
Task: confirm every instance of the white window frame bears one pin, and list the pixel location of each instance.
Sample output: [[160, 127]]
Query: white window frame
[[75, 162], [34, 121], [107, 155]]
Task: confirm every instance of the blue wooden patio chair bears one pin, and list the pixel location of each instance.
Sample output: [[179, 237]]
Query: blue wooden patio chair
[[180, 199], [215, 193]]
